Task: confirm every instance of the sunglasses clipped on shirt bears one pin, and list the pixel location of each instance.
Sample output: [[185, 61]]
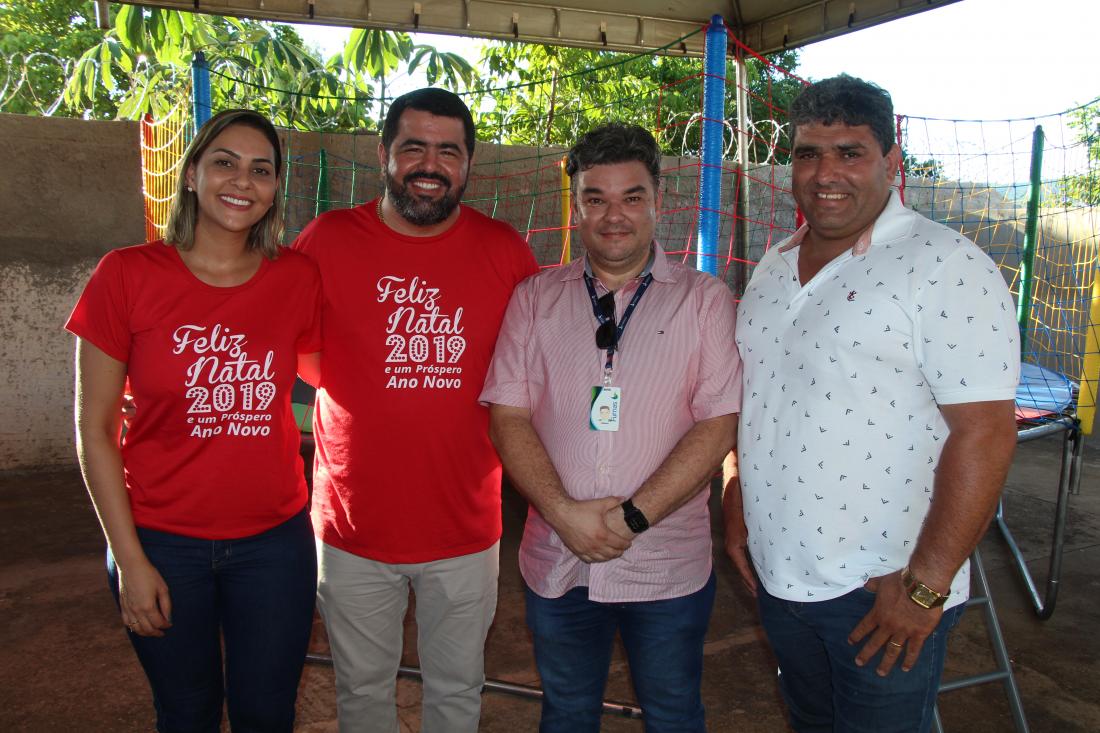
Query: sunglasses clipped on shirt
[[607, 335]]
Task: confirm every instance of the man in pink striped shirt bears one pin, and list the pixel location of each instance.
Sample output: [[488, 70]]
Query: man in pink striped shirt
[[613, 393]]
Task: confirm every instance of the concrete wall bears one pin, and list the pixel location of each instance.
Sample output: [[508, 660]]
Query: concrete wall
[[69, 192]]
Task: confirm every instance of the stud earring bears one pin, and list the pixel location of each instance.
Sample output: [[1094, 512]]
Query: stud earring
[[190, 190]]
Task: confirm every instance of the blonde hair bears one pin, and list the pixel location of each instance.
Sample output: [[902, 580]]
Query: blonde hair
[[265, 235]]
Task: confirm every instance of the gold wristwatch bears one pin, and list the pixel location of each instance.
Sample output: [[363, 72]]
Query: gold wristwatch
[[919, 593]]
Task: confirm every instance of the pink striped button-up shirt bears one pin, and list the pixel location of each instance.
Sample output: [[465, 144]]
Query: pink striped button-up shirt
[[676, 365]]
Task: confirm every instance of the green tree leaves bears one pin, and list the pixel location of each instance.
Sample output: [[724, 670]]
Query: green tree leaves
[[143, 64], [546, 95], [39, 43], [521, 93], [454, 71], [1083, 189]]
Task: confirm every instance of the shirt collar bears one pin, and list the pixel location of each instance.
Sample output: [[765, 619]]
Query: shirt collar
[[657, 266]]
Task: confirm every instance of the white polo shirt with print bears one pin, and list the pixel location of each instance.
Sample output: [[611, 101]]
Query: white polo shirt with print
[[840, 428]]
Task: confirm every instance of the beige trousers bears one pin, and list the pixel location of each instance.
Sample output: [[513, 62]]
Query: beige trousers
[[363, 604]]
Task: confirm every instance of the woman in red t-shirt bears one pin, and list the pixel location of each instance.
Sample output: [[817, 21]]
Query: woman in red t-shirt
[[203, 502]]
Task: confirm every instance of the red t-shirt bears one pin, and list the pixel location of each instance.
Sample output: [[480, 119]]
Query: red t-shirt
[[404, 471], [212, 451]]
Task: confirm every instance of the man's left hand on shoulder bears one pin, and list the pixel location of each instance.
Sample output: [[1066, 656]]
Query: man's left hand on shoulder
[[896, 623]]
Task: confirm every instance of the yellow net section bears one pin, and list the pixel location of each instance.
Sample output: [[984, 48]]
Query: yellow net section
[[973, 176], [162, 145]]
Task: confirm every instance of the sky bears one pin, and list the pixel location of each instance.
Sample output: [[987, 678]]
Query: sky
[[974, 59]]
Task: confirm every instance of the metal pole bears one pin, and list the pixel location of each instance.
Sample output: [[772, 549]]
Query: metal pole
[[744, 141], [102, 15], [1069, 482], [288, 168], [566, 213], [322, 203], [710, 169], [901, 168], [200, 90], [354, 168], [1031, 229], [1003, 672], [1000, 650], [610, 707]]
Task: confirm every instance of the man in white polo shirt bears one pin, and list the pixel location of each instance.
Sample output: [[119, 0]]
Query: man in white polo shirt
[[881, 357]]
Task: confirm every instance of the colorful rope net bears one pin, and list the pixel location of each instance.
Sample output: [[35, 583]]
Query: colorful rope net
[[1010, 188], [520, 178], [972, 176], [162, 145]]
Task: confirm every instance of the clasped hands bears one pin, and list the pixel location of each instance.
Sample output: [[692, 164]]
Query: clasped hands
[[594, 530]]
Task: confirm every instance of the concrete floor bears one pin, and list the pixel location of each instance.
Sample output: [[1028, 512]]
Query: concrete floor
[[66, 665]]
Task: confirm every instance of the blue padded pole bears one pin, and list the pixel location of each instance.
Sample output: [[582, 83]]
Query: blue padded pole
[[200, 90], [710, 172]]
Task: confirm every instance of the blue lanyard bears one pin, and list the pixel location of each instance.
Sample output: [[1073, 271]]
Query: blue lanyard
[[621, 327]]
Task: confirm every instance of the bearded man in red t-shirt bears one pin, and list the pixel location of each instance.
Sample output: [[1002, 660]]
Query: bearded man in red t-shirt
[[406, 482]]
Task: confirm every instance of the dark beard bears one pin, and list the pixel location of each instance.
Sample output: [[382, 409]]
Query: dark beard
[[417, 211]]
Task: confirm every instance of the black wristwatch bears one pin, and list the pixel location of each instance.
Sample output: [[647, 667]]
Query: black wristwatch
[[634, 517]]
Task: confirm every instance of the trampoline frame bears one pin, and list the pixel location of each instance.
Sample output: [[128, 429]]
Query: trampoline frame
[[1069, 482], [1003, 672], [531, 692]]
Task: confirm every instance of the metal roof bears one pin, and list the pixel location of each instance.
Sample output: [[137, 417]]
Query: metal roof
[[617, 25]]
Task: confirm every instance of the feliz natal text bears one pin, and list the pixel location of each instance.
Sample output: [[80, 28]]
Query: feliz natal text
[[222, 358], [410, 298]]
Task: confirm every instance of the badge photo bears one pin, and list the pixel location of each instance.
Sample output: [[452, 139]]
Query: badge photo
[[603, 413]]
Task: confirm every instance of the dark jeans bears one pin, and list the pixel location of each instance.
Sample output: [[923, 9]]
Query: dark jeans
[[663, 642], [825, 691], [258, 593]]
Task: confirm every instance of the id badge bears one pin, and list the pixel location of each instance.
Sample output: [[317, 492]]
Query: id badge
[[603, 412]]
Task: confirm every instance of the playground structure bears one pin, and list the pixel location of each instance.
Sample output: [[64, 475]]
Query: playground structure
[[726, 199], [1047, 253], [726, 194]]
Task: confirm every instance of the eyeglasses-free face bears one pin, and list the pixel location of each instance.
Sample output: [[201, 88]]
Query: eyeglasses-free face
[[615, 209]]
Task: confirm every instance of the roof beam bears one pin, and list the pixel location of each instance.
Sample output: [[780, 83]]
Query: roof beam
[[617, 25], [816, 20]]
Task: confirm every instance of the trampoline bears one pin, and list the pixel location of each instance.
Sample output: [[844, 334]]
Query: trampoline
[[1045, 403], [1045, 406]]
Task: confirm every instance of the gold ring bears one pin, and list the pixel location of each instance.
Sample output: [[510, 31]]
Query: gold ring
[[891, 642]]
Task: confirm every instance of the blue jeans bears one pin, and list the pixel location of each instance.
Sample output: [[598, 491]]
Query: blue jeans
[[664, 646], [258, 593], [825, 691]]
